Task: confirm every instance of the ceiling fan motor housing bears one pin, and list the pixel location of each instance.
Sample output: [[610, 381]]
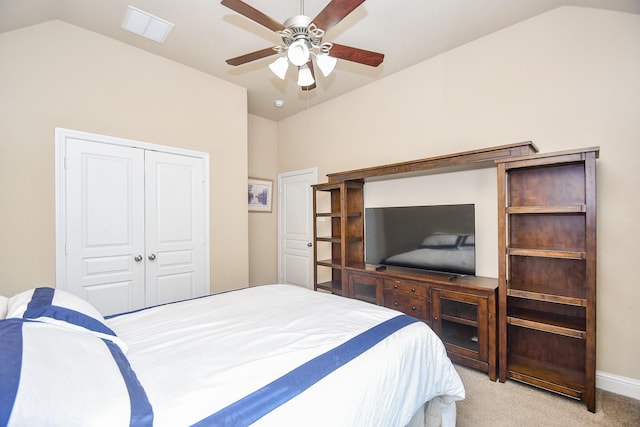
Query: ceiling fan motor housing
[[300, 27]]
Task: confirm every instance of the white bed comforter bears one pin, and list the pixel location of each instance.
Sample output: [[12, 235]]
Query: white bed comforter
[[196, 357]]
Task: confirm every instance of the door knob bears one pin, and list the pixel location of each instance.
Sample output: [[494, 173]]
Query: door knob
[[138, 258], [152, 257], [309, 245]]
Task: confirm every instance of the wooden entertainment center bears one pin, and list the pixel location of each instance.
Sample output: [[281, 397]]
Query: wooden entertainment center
[[541, 306]]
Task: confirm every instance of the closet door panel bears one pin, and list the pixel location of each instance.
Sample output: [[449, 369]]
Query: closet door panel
[[105, 224], [174, 227]]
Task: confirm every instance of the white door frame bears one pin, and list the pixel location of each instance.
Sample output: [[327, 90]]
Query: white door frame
[[61, 135], [314, 172]]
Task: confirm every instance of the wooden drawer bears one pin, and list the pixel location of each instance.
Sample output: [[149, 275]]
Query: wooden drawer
[[408, 304], [406, 287]]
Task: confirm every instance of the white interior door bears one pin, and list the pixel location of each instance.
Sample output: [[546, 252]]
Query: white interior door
[[295, 227], [174, 228], [105, 224]]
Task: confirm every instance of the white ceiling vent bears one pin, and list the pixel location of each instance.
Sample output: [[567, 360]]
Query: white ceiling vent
[[146, 25]]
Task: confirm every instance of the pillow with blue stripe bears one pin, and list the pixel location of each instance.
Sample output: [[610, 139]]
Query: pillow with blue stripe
[[55, 306], [52, 375]]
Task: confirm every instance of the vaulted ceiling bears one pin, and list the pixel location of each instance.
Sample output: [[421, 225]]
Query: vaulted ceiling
[[206, 33]]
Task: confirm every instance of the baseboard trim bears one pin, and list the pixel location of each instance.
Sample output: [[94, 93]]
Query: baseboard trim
[[617, 384]]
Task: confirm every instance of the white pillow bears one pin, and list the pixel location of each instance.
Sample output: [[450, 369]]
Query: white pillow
[[441, 239], [58, 376], [3, 306], [55, 306]]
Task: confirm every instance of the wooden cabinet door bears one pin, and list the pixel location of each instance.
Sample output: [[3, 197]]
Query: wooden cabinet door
[[365, 287], [460, 320]]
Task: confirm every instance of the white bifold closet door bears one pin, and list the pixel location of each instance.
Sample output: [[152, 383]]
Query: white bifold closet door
[[134, 226]]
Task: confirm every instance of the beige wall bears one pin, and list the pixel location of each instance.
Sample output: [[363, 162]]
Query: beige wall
[[58, 75], [565, 79], [263, 226]]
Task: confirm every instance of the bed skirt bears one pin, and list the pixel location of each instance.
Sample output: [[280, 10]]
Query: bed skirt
[[438, 412]]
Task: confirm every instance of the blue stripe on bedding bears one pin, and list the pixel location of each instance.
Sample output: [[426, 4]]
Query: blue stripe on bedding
[[10, 368], [42, 297], [141, 410], [254, 406], [41, 305]]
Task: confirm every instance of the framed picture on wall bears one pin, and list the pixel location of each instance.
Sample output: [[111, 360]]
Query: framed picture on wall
[[260, 194]]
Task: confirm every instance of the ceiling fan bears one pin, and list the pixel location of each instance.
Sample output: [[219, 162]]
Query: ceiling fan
[[302, 41]]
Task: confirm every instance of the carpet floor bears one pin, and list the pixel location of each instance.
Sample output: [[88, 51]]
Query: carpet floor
[[512, 403]]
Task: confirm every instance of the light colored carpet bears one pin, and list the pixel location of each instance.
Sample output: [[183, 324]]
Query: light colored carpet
[[512, 403]]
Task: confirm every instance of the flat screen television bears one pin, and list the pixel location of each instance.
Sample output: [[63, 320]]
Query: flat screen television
[[439, 238]]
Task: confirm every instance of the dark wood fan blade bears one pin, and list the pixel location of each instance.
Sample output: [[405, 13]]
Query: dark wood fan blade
[[254, 14], [335, 12], [313, 73], [258, 54], [354, 54]]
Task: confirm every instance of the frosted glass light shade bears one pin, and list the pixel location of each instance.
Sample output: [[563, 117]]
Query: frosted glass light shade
[[298, 53], [279, 67], [305, 78], [326, 63]]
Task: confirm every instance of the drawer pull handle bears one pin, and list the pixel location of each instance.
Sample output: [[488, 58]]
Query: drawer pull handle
[[396, 303], [413, 289], [395, 286], [413, 308]]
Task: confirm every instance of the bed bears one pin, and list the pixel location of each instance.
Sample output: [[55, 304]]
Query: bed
[[272, 355]]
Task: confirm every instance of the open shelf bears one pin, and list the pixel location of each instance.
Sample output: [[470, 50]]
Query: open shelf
[[329, 239], [563, 232], [526, 322], [547, 253], [546, 278], [330, 286], [557, 354], [538, 296], [328, 214], [567, 381], [548, 316], [329, 263], [546, 209], [560, 184]]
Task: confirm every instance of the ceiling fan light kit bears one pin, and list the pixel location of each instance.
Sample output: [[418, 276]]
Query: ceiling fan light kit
[[298, 53], [302, 41], [279, 67], [305, 78], [326, 63]]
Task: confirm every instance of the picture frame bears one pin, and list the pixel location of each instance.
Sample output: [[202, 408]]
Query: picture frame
[[260, 194]]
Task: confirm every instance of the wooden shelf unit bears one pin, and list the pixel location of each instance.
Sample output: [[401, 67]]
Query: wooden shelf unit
[[345, 234], [547, 271]]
